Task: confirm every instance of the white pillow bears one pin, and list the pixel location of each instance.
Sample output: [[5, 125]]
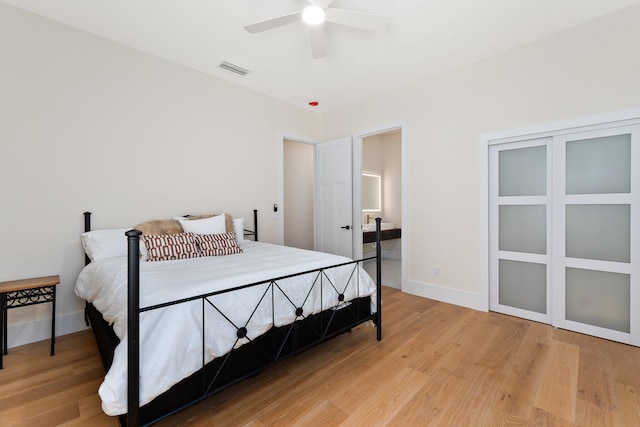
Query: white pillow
[[238, 227], [213, 225], [107, 243]]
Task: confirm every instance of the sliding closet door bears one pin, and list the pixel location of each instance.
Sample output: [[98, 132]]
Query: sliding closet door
[[520, 180], [594, 212], [564, 230]]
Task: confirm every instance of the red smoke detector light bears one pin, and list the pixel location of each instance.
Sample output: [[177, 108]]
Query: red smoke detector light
[[313, 103]]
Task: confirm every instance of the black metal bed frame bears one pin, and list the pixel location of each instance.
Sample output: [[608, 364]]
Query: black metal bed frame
[[255, 354]]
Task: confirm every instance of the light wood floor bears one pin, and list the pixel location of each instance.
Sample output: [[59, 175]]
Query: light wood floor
[[437, 364]]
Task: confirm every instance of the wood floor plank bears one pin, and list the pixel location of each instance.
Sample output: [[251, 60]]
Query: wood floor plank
[[511, 333], [557, 393], [505, 419], [443, 344], [437, 365], [56, 416], [485, 384], [253, 423], [430, 401], [325, 414], [591, 414], [474, 342], [524, 373], [596, 379], [542, 418], [628, 411], [383, 402]]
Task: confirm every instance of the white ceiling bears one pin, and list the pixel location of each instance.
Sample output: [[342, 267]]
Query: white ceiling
[[424, 37]]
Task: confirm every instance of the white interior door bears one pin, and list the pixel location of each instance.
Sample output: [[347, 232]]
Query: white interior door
[[334, 201], [594, 213], [520, 239]]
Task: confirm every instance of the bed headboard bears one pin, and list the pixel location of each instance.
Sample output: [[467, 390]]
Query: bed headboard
[[254, 232]]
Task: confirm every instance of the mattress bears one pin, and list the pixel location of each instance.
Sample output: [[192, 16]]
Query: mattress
[[172, 338]]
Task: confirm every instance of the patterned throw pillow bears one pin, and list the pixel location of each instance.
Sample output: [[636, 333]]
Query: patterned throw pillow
[[218, 244], [164, 247]]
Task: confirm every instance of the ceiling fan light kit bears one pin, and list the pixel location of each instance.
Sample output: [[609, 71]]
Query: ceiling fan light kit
[[314, 15]]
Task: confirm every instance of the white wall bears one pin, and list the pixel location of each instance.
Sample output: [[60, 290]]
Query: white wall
[[586, 70], [298, 178], [84, 120], [392, 178], [86, 124]]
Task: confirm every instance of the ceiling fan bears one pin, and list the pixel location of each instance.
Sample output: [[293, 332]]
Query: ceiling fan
[[314, 15]]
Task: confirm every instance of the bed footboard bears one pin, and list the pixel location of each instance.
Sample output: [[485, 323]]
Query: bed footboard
[[253, 356], [282, 346]]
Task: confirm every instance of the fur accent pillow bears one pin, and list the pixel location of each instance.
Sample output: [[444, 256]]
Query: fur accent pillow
[[159, 227], [172, 226]]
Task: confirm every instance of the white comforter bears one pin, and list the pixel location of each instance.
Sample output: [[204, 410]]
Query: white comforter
[[171, 337]]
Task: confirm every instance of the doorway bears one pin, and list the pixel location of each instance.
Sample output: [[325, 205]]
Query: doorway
[[298, 193], [382, 197], [380, 156], [357, 219]]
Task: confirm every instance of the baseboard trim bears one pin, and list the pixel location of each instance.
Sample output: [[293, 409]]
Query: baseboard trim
[[459, 297], [38, 330]]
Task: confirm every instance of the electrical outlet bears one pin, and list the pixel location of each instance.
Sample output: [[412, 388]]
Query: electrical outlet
[[436, 271]]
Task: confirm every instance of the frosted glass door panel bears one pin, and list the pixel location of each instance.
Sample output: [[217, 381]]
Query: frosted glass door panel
[[523, 285], [523, 228], [600, 232], [598, 298], [523, 172], [599, 165]]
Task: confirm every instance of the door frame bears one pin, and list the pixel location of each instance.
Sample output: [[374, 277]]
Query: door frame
[[358, 137]]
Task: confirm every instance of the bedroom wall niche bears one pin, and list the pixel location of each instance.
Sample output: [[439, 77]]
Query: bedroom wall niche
[[298, 182]]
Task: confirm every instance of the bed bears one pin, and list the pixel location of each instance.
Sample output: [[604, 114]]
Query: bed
[[169, 339]]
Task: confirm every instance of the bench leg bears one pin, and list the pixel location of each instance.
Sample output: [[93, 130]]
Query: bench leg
[[3, 326], [53, 323]]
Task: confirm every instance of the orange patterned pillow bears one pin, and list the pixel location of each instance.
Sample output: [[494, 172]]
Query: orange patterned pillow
[[164, 247], [218, 244]]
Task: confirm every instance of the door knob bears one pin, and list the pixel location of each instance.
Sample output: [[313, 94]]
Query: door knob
[[346, 227]]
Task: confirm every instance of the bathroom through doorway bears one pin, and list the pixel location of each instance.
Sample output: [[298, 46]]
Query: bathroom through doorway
[[381, 195]]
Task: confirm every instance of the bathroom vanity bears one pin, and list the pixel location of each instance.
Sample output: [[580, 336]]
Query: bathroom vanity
[[370, 236]]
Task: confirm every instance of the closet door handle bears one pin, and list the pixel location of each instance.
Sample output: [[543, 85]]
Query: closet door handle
[[346, 227]]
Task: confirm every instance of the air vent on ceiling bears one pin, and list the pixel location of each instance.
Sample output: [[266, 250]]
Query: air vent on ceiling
[[233, 68]]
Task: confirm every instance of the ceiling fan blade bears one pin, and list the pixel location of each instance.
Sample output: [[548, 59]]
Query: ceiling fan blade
[[321, 3], [361, 20], [318, 42], [269, 24]]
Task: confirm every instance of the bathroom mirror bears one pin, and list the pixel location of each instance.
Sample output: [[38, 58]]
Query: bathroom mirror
[[371, 192]]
